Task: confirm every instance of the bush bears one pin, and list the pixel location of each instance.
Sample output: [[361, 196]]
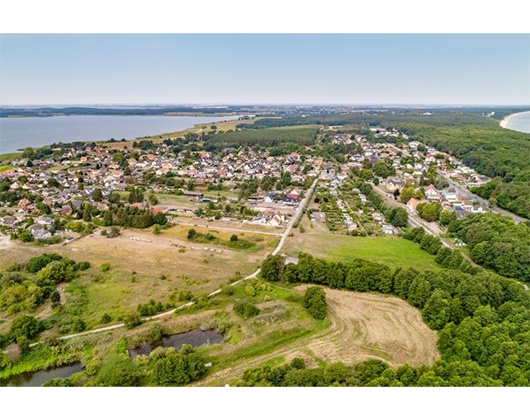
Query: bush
[[245, 309], [315, 302], [105, 319], [104, 267], [132, 320], [233, 238]]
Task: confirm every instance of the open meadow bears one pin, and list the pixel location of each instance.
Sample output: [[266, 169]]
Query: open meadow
[[390, 250], [142, 266]]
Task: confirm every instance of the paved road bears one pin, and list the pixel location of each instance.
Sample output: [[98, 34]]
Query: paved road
[[416, 221], [484, 203], [284, 236]]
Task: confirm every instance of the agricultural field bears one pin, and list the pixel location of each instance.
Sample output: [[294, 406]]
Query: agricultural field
[[363, 326], [222, 126], [390, 250]]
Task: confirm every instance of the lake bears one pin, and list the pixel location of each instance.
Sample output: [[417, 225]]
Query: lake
[[519, 122], [17, 133]]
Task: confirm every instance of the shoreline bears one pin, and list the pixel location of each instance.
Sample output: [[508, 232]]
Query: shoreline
[[504, 122], [219, 119]]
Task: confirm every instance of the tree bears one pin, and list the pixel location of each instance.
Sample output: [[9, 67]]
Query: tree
[[233, 238], [429, 211], [153, 200], [290, 274], [315, 302], [191, 234], [447, 216], [271, 268], [97, 195], [398, 217], [25, 326]]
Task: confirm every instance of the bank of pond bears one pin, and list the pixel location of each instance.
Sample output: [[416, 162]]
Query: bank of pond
[[195, 338]]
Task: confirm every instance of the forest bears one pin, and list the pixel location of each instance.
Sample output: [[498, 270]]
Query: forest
[[282, 140], [496, 243], [482, 319]]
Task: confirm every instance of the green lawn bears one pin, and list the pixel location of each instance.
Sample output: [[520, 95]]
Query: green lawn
[[5, 168], [393, 251]]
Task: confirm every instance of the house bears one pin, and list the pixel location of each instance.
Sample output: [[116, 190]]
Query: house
[[39, 232], [9, 221], [432, 194], [412, 204], [193, 194], [393, 184], [388, 229], [450, 195]]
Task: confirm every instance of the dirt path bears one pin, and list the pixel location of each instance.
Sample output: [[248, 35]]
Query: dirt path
[[5, 242]]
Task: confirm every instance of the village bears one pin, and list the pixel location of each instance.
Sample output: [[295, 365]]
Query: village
[[412, 174], [235, 185], [232, 185]]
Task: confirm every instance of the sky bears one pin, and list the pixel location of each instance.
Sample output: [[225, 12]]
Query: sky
[[391, 69]]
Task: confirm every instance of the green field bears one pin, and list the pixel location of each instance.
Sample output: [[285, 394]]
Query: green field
[[393, 251], [5, 168], [9, 156]]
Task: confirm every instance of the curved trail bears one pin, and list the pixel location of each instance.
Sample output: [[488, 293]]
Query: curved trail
[[284, 236]]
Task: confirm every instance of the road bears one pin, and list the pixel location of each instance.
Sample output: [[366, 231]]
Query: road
[[484, 203], [284, 236], [416, 221]]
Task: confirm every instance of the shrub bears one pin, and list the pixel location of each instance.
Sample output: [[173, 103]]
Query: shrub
[[315, 302], [245, 309], [104, 267], [132, 320]]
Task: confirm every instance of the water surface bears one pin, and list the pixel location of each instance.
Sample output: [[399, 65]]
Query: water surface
[[194, 338], [17, 133], [41, 376], [519, 122]]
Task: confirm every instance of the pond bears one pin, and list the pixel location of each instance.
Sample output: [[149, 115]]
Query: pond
[[194, 338], [41, 376]]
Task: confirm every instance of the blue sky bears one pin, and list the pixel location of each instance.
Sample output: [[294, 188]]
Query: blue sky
[[265, 68]]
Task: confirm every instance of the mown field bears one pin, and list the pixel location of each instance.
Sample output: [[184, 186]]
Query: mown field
[[390, 250]]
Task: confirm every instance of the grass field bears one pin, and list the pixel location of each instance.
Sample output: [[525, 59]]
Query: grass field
[[4, 168], [7, 157], [145, 266], [390, 250]]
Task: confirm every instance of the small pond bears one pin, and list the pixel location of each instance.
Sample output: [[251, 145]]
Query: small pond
[[194, 338], [41, 376]]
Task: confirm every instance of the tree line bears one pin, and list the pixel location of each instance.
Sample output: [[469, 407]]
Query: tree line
[[482, 319]]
